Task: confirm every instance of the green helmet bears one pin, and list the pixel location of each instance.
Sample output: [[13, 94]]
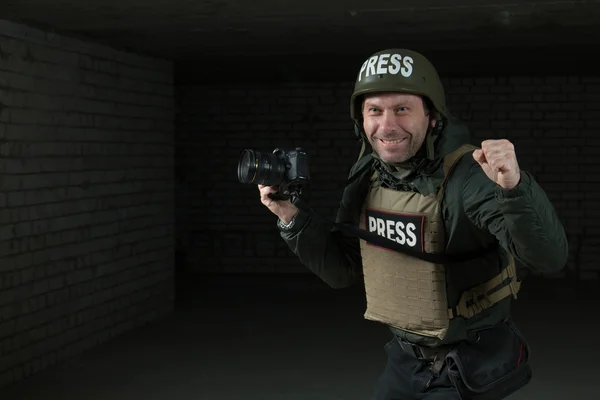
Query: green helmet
[[398, 70]]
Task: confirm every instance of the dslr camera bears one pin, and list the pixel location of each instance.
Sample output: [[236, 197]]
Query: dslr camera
[[288, 170]]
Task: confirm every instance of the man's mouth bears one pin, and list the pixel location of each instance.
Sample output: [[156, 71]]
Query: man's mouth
[[395, 141]]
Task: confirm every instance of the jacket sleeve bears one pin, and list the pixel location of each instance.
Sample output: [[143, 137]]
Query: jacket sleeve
[[331, 254], [522, 219]]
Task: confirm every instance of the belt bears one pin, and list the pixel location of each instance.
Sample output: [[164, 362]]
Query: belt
[[423, 352]]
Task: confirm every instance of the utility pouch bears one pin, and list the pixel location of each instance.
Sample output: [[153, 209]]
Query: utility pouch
[[492, 367]]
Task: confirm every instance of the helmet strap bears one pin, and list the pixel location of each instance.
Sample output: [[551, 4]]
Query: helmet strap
[[433, 134], [359, 132], [357, 129], [362, 138]]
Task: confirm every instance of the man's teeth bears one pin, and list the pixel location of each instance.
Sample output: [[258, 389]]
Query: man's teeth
[[392, 141]]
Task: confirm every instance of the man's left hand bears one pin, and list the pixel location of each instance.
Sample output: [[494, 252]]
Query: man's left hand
[[498, 160]]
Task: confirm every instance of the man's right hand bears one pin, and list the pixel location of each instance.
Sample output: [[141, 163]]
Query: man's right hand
[[284, 209]]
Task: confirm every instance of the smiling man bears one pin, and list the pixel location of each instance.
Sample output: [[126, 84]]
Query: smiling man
[[396, 125], [419, 183]]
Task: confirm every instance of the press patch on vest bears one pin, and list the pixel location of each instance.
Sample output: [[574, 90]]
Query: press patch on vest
[[406, 229]]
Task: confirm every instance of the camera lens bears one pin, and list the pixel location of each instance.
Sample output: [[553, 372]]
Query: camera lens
[[247, 167], [261, 169]]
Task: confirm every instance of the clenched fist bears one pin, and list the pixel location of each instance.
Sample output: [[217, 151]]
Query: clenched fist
[[284, 209], [498, 160]]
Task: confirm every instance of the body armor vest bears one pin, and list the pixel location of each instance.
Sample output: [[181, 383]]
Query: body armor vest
[[409, 293]]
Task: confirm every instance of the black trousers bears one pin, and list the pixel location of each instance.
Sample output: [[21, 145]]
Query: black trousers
[[405, 378]]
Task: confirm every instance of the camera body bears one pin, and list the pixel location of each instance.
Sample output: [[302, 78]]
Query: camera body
[[286, 169], [297, 174]]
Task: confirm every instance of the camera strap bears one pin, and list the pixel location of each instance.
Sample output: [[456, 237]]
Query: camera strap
[[436, 258]]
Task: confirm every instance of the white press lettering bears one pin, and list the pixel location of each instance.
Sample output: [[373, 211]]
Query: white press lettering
[[408, 66], [400, 232], [386, 64], [372, 224], [389, 229], [403, 233], [382, 64], [362, 69], [410, 231], [371, 66], [380, 227], [395, 61]]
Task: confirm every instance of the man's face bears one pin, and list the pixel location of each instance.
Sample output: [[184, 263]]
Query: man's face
[[395, 124]]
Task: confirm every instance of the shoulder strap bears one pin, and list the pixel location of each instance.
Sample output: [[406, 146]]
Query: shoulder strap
[[450, 161]]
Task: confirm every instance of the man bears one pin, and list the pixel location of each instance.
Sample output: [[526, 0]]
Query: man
[[422, 185]]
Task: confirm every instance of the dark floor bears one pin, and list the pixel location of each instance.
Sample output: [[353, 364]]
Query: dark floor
[[296, 339]]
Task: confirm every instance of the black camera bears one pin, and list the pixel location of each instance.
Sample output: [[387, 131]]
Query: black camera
[[288, 170]]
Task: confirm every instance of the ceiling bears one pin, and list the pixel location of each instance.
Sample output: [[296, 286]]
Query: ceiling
[[259, 34]]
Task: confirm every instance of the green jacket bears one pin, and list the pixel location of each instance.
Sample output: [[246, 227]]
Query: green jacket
[[477, 213]]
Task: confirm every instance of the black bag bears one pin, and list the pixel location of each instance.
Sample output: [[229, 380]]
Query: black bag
[[493, 366]]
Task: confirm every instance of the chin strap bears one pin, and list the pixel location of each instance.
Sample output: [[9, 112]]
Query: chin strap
[[362, 138], [433, 134]]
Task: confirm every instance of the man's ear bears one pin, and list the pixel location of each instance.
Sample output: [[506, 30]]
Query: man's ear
[[436, 121]]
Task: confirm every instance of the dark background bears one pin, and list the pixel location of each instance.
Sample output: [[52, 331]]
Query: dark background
[[121, 124]]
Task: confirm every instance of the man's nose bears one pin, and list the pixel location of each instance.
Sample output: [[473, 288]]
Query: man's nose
[[389, 122]]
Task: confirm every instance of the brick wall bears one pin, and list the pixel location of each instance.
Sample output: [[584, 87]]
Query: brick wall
[[86, 196], [553, 122]]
